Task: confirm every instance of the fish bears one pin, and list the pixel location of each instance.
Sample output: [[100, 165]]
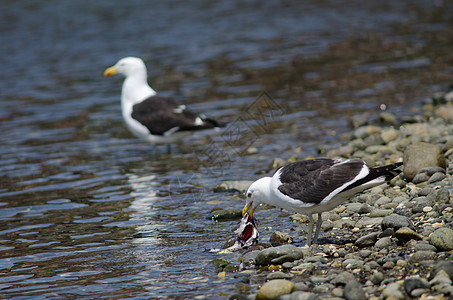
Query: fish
[[247, 232], [247, 235]]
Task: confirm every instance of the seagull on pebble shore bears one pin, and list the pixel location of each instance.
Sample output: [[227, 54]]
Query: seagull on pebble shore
[[315, 186], [152, 118]]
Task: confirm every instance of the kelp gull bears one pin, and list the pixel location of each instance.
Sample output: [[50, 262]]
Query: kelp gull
[[315, 186], [152, 118]]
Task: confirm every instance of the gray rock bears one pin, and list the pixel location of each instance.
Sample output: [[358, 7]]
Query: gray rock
[[415, 282], [279, 275], [352, 263], [421, 155], [364, 209], [422, 255], [420, 203], [393, 289], [367, 240], [442, 239], [279, 237], [426, 191], [420, 177], [446, 266], [378, 212], [278, 255], [432, 170], [249, 257], [424, 246], [385, 242], [395, 222], [365, 253], [442, 196], [274, 289], [299, 295], [354, 291], [437, 177], [377, 277], [441, 277], [240, 186], [343, 278], [405, 234], [226, 214]]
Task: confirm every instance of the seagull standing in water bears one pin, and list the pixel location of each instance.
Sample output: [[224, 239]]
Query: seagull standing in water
[[315, 186], [152, 118]]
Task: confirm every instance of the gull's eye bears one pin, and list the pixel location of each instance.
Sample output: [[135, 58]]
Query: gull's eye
[[249, 195]]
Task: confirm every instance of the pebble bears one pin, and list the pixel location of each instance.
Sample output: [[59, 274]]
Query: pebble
[[274, 289], [354, 291], [385, 242], [421, 155], [393, 290], [279, 275], [396, 222], [423, 255], [343, 278], [240, 186], [442, 239], [405, 234], [367, 240], [279, 237]]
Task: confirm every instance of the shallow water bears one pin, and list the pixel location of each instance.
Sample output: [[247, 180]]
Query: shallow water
[[88, 210]]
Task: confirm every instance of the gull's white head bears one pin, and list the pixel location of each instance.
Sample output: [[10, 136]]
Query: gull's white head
[[128, 66], [257, 193]]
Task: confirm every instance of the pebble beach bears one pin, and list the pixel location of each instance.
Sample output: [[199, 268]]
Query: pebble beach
[[394, 241]]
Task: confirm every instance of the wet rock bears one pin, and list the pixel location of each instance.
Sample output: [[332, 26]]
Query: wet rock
[[415, 282], [274, 289], [279, 237], [436, 177], [300, 295], [377, 277], [278, 255], [420, 177], [422, 255], [364, 209], [420, 155], [420, 203], [225, 214], [352, 263], [240, 186], [440, 278], [442, 239], [442, 196], [446, 266], [343, 278], [365, 253], [279, 275], [395, 222], [249, 258], [385, 242], [354, 291], [405, 234], [367, 240], [393, 290]]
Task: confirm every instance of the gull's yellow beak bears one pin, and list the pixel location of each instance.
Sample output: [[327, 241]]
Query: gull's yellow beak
[[246, 208], [110, 71]]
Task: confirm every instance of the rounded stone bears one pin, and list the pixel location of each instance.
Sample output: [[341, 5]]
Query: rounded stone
[[442, 239], [420, 155], [274, 289], [406, 234], [395, 222], [354, 291], [279, 237]]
